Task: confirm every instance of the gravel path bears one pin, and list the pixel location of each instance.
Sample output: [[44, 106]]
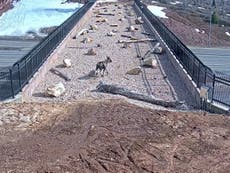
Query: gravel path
[[150, 82]]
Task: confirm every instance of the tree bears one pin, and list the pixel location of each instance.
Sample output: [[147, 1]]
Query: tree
[[214, 18]]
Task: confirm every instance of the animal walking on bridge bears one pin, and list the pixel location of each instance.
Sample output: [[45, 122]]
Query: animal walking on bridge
[[101, 66]]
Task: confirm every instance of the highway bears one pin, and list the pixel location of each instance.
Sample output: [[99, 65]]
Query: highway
[[218, 59], [13, 50]]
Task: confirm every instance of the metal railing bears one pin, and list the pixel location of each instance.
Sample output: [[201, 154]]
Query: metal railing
[[13, 79], [201, 74]]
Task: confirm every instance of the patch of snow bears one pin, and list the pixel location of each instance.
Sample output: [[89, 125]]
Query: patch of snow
[[202, 32], [176, 2], [227, 14], [201, 8], [107, 1], [197, 30], [154, 2], [31, 15], [227, 33], [157, 11]]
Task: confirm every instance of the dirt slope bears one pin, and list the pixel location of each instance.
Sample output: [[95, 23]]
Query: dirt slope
[[110, 136]]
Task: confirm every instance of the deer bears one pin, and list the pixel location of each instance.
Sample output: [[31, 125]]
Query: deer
[[102, 65]]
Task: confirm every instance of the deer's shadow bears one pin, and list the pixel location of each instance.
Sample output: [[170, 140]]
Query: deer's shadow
[[90, 75]]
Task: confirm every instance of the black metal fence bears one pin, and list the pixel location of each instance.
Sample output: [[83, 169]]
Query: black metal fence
[[13, 79], [200, 73]]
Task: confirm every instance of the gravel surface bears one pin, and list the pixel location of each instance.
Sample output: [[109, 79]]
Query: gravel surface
[[150, 82]]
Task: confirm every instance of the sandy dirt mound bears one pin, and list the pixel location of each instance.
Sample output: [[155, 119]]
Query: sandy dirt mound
[[111, 136]]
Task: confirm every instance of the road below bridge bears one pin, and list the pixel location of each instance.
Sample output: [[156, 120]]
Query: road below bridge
[[13, 50], [218, 59]]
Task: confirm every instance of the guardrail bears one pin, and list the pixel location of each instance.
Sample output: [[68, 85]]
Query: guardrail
[[13, 79], [219, 87]]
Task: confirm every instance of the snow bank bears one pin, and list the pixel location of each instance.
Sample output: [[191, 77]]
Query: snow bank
[[107, 1], [176, 2], [201, 8], [31, 15], [157, 11], [227, 33]]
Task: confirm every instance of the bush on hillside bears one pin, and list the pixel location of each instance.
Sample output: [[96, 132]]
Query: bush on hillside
[[214, 18]]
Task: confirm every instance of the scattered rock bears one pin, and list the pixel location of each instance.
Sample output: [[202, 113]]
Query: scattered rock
[[114, 31], [121, 19], [114, 25], [96, 12], [110, 34], [151, 62], [134, 71], [91, 52], [83, 32], [56, 90], [130, 14], [87, 40], [99, 45], [102, 20], [126, 45], [98, 16], [139, 21], [67, 63], [93, 27], [131, 28], [158, 50]]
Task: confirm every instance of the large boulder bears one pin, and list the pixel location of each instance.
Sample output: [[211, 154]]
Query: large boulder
[[56, 90], [150, 62]]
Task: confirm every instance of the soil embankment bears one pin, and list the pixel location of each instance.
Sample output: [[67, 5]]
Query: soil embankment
[[5, 5], [110, 136]]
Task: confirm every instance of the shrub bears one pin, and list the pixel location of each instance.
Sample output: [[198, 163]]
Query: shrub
[[214, 18]]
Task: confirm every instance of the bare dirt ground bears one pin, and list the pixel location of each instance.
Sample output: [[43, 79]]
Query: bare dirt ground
[[6, 6], [110, 136]]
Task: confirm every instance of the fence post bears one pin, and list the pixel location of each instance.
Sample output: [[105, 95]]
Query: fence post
[[11, 83], [198, 77], [205, 75], [213, 85], [26, 70], [19, 76]]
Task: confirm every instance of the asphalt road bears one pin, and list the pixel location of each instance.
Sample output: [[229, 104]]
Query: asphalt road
[[218, 59], [13, 50]]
